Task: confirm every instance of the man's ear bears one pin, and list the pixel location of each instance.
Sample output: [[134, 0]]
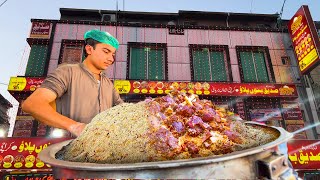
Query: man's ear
[[89, 49]]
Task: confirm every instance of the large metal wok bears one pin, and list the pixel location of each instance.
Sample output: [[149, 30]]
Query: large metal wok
[[261, 161]]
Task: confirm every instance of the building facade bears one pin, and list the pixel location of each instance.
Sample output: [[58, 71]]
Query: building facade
[[241, 61]]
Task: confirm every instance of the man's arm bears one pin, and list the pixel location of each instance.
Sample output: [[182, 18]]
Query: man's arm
[[116, 97], [38, 104]]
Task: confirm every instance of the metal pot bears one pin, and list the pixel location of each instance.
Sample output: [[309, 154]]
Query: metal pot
[[261, 161]]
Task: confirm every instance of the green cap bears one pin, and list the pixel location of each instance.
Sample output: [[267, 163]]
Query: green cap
[[103, 37]]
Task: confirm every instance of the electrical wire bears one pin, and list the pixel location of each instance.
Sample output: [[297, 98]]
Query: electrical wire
[[279, 21], [3, 3], [281, 11], [4, 84]]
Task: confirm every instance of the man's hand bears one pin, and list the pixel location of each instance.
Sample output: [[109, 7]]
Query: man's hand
[[38, 104], [76, 128]]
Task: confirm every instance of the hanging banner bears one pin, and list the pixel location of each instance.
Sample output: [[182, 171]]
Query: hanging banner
[[25, 83], [204, 88], [304, 154], [22, 153], [305, 39]]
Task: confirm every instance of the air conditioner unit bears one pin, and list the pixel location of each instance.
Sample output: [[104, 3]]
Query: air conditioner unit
[[108, 18]]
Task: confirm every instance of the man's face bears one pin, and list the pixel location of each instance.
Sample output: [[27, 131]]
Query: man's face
[[102, 56]]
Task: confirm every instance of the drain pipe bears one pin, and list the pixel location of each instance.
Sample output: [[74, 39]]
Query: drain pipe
[[227, 20]]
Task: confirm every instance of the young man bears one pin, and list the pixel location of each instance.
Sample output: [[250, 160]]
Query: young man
[[80, 91]]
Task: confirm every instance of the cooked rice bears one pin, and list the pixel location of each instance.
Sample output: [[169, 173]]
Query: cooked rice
[[114, 136], [130, 133]]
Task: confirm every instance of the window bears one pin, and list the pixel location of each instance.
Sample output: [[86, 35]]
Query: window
[[37, 60], [254, 64], [71, 51], [210, 63], [147, 61]]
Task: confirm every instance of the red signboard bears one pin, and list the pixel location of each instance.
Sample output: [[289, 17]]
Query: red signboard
[[23, 126], [295, 127], [305, 39], [304, 154], [22, 153], [25, 83], [292, 114], [40, 30], [205, 88], [159, 87], [293, 118], [241, 109], [29, 176], [262, 115]]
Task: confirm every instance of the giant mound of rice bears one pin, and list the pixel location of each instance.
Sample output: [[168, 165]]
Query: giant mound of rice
[[176, 126]]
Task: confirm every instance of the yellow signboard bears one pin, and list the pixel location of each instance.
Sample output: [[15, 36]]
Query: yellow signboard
[[17, 84], [305, 40], [122, 86], [23, 118], [308, 59]]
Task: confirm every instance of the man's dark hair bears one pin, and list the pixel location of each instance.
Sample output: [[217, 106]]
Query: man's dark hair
[[90, 42]]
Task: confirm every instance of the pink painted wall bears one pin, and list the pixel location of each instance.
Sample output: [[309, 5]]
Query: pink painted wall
[[178, 47]]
